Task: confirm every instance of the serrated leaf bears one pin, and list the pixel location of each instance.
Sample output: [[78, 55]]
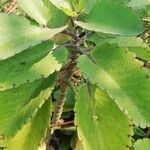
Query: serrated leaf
[[18, 34], [121, 41], [61, 55], [19, 105], [65, 6], [30, 136], [138, 4], [36, 10], [142, 144], [133, 44], [117, 71], [112, 18], [99, 118], [32, 64]]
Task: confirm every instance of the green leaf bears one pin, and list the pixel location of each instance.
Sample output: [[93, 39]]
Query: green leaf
[[112, 18], [30, 65], [142, 144], [17, 34], [36, 10], [86, 5], [138, 4], [138, 131], [121, 41], [61, 38], [125, 80], [100, 123], [61, 54], [141, 52], [19, 105], [65, 6], [58, 17], [133, 44], [30, 136]]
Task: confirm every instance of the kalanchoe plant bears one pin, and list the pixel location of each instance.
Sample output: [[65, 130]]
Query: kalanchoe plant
[[78, 68]]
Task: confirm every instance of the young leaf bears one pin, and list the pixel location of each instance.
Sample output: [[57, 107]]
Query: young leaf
[[30, 136], [30, 65], [19, 105], [100, 125], [112, 18], [117, 71], [142, 144], [18, 34], [65, 6], [36, 10]]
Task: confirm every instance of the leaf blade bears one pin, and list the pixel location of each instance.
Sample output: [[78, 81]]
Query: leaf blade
[[32, 64], [123, 77], [107, 17], [96, 117], [36, 9], [23, 102], [65, 6], [134, 44], [34, 130], [18, 34], [142, 144]]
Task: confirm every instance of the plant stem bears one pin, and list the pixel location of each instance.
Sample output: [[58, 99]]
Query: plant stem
[[64, 81], [65, 77], [59, 106]]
